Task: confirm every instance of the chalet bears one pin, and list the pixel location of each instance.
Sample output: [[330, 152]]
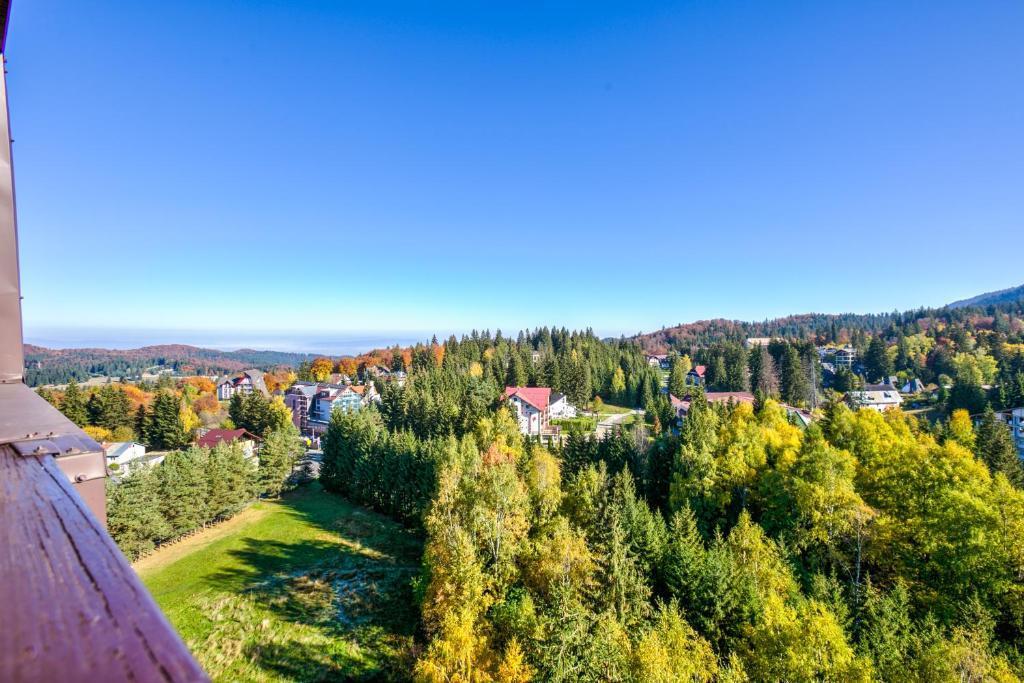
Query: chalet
[[875, 399], [695, 377], [121, 453], [846, 356], [244, 382], [247, 440], [659, 360], [560, 407], [535, 407]]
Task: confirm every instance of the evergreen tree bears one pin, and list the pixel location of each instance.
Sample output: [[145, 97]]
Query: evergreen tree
[[766, 379], [134, 517], [141, 424], [994, 446], [876, 361], [165, 429], [516, 376], [677, 377], [184, 489], [278, 454], [795, 388], [73, 404]]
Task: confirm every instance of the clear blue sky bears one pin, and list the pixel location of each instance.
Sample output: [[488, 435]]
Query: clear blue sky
[[440, 166]]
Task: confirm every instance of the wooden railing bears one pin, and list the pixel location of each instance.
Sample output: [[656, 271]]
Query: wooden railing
[[71, 607]]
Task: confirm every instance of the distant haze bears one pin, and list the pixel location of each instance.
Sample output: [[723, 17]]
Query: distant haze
[[328, 343]]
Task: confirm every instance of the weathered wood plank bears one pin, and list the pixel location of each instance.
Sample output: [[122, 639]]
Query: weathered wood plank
[[71, 608]]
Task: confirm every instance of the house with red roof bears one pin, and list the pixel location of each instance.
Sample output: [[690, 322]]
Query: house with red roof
[[695, 377], [248, 441], [535, 407]]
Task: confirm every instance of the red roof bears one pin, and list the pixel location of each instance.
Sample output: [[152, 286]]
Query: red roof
[[538, 397], [700, 370], [215, 436], [677, 402]]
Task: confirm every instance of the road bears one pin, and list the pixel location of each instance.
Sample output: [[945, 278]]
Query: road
[[608, 423]]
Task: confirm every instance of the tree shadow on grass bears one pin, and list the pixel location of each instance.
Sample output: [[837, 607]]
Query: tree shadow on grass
[[349, 602]]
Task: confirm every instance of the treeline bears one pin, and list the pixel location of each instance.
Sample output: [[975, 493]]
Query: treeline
[[390, 471], [863, 549], [59, 366], [193, 488], [830, 328], [975, 361], [163, 416]]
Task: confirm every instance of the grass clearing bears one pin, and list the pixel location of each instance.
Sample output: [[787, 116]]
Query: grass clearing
[[308, 588]]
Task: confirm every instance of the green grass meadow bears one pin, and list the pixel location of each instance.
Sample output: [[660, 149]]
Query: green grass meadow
[[307, 588]]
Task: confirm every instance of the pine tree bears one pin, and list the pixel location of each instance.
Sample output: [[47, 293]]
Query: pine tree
[[134, 517], [794, 378], [766, 379], [73, 405], [877, 361], [994, 446], [516, 372], [184, 489], [677, 377], [278, 454], [165, 428], [141, 425]]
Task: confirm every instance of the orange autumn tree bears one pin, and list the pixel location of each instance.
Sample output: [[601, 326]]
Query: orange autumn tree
[[321, 369], [348, 366], [203, 385]]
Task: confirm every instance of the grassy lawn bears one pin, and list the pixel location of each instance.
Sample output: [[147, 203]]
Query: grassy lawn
[[308, 588], [610, 409]]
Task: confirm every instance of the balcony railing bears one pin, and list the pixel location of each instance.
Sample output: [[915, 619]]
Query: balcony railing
[[71, 607]]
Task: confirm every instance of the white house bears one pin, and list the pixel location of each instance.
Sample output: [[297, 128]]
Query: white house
[[659, 360], [560, 408], [532, 406], [121, 453], [880, 400], [244, 382]]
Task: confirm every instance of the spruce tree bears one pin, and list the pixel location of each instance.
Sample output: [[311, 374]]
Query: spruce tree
[[794, 378], [73, 404], [165, 429], [516, 376], [677, 377], [141, 424], [278, 454], [877, 361], [766, 380], [184, 489], [994, 446], [134, 517]]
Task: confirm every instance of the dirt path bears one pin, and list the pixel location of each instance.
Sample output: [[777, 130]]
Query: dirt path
[[167, 554], [608, 423]]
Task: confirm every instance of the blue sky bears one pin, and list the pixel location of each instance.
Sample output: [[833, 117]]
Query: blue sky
[[395, 166]]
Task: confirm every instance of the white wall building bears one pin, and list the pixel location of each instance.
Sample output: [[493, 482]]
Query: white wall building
[[1017, 424], [881, 400]]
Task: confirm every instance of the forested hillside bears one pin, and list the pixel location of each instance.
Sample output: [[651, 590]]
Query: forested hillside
[[58, 366], [842, 327]]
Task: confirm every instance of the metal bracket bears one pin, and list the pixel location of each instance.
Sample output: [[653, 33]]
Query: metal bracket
[[81, 459]]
